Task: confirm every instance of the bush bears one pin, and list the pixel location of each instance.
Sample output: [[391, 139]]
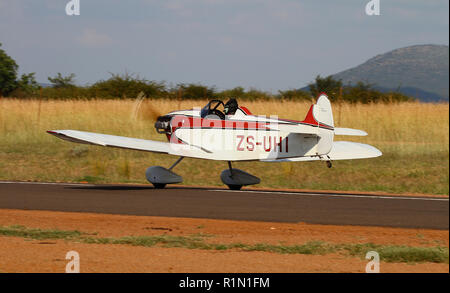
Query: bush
[[360, 93], [125, 86], [193, 91], [295, 95]]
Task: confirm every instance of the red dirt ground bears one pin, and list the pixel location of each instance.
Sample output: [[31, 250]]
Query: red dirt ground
[[24, 255]]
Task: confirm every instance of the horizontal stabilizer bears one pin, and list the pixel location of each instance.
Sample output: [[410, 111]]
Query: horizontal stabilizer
[[112, 140], [298, 128], [342, 150], [349, 131]]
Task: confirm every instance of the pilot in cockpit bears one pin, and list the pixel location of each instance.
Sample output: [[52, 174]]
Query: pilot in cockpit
[[211, 109], [231, 107]]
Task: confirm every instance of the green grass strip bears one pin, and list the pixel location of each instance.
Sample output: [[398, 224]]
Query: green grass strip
[[397, 253], [38, 234], [388, 253]]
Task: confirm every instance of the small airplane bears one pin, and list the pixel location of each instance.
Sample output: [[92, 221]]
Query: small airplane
[[228, 132]]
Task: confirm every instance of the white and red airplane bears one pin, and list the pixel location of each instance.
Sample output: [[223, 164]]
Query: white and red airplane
[[234, 134]]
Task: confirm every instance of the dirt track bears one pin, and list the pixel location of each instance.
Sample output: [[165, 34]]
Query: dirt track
[[23, 255], [249, 217]]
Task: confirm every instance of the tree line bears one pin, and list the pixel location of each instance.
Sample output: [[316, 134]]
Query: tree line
[[125, 86]]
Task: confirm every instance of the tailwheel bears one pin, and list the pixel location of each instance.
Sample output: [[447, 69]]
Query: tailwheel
[[159, 185], [235, 187]]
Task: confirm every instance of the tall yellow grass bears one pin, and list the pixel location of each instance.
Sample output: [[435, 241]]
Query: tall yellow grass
[[403, 128], [413, 137]]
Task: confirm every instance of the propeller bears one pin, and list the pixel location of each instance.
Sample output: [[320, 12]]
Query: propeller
[[144, 109]]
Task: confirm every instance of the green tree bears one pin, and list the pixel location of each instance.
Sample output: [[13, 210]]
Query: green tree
[[237, 92], [294, 94], [8, 73], [328, 85], [60, 81], [126, 86], [27, 84], [196, 91]]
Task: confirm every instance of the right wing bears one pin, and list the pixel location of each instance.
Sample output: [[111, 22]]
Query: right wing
[[112, 140]]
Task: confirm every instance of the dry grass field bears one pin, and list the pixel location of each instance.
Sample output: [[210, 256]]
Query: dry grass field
[[414, 139]]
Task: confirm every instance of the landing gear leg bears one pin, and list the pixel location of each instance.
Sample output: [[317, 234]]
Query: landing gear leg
[[329, 164], [176, 163], [231, 168], [232, 186]]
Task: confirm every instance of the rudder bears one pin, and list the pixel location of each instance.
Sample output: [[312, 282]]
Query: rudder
[[323, 112], [324, 115]]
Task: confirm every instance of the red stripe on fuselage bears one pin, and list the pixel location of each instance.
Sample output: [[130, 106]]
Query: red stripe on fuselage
[[310, 120], [197, 122], [246, 111]]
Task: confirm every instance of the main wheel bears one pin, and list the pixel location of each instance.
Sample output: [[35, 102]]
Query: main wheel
[[235, 187], [159, 185]]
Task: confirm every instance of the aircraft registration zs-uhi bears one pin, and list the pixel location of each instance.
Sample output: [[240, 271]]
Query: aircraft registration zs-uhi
[[210, 134]]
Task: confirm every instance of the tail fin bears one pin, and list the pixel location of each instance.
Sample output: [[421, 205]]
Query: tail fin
[[323, 112], [320, 114]]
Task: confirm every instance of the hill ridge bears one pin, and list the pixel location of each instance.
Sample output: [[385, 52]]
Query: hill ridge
[[418, 70]]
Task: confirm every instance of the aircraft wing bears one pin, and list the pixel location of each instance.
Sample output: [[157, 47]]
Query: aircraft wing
[[112, 140], [342, 150]]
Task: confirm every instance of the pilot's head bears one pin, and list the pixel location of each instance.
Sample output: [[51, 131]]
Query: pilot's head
[[230, 107]]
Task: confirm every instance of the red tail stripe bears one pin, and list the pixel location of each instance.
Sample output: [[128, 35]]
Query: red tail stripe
[[310, 117]]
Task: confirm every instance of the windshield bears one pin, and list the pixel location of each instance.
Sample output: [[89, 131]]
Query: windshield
[[214, 107]]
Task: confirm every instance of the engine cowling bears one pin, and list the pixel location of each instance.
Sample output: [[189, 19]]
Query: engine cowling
[[162, 124]]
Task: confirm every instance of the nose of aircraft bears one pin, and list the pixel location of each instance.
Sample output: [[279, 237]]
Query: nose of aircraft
[[162, 124]]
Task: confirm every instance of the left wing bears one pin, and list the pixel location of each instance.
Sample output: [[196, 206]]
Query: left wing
[[138, 144], [112, 140]]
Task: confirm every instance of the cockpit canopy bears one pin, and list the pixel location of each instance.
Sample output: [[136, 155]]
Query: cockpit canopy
[[213, 108], [219, 109]]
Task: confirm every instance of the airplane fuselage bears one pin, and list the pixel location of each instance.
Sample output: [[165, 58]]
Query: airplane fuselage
[[241, 137]]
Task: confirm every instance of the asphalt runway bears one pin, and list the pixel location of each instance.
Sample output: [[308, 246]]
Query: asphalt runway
[[250, 205]]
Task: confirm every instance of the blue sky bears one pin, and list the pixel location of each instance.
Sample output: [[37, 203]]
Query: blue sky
[[264, 44]]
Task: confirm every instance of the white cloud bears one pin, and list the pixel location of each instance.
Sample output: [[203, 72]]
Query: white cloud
[[92, 38]]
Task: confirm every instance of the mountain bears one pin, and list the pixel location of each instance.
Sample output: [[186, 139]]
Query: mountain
[[421, 71], [42, 84]]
